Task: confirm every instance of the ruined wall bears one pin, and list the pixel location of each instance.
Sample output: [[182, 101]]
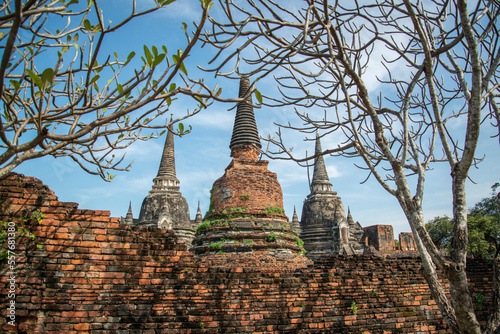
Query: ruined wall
[[95, 275], [381, 237], [407, 243]]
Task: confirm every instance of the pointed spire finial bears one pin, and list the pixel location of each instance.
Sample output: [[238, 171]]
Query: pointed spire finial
[[199, 216], [349, 216], [295, 218], [167, 164], [129, 212], [129, 217], [320, 180], [245, 128]]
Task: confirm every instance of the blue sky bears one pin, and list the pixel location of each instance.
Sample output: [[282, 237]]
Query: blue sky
[[202, 156]]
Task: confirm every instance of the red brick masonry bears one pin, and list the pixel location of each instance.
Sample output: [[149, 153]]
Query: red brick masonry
[[246, 184], [94, 275]]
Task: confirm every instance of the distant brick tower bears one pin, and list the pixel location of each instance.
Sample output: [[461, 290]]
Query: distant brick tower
[[324, 225], [164, 206], [246, 206]]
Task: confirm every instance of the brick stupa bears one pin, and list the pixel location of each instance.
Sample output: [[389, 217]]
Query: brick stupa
[[246, 206]]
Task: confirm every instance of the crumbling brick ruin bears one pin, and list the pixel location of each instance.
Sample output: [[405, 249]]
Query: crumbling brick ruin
[[245, 271], [246, 205], [94, 275]]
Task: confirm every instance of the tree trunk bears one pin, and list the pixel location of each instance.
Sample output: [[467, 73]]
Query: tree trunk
[[459, 290], [415, 217]]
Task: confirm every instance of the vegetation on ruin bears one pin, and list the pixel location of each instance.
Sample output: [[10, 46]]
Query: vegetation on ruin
[[270, 210], [23, 227], [271, 237], [218, 245], [354, 308]]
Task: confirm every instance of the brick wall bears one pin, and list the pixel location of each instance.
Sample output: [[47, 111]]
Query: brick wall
[[95, 275]]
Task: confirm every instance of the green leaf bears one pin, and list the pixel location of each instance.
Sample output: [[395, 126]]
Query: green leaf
[[96, 29], [72, 2], [207, 3], [167, 2], [119, 88], [148, 55], [176, 60], [130, 56], [258, 96], [155, 51], [75, 38], [15, 84], [36, 79], [184, 26], [64, 49], [164, 48], [169, 101], [172, 87], [158, 59], [2, 34], [120, 136], [218, 92], [47, 78], [183, 69], [94, 79], [87, 25], [181, 128]]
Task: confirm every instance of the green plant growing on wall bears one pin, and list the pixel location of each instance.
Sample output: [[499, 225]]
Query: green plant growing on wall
[[245, 197], [273, 210], [480, 299], [299, 242], [354, 308], [204, 225], [218, 245], [19, 230], [272, 237]]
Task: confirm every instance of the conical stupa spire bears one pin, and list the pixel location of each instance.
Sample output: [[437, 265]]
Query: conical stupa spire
[[295, 218], [245, 128], [129, 217], [320, 179], [199, 216], [349, 216], [129, 212], [167, 164]]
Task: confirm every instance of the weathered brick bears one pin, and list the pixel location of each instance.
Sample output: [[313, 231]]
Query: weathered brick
[[156, 286]]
